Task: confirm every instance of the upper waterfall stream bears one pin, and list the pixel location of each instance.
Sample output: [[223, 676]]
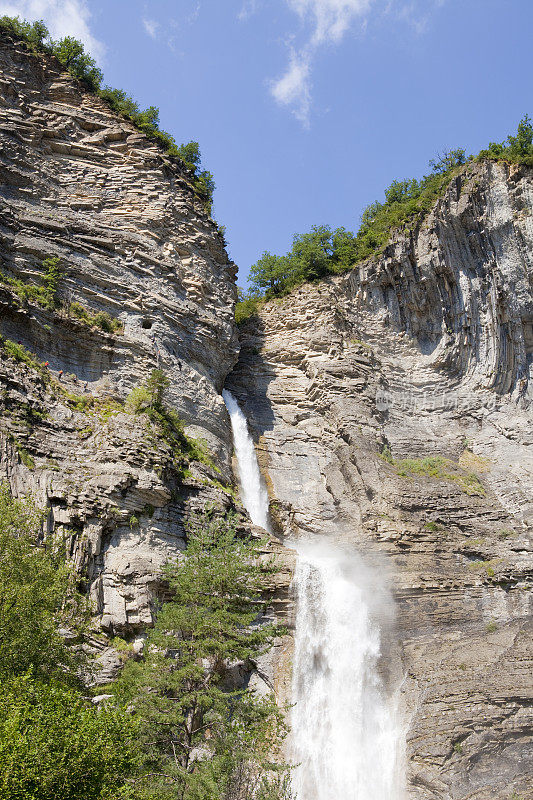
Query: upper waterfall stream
[[345, 738], [253, 494]]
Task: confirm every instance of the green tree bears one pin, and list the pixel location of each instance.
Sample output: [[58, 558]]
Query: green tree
[[53, 273], [270, 273], [312, 253], [35, 33], [448, 160], [157, 384], [71, 53], [344, 245], [38, 596], [201, 735], [54, 745], [522, 143], [190, 155], [119, 101], [402, 190]]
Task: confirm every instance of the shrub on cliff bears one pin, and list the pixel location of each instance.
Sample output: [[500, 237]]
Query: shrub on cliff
[[34, 33], [517, 149], [71, 53], [203, 736]]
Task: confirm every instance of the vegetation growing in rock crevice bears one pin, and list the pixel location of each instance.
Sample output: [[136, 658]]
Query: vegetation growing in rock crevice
[[100, 319], [436, 467], [324, 251], [149, 399], [146, 399], [71, 54], [47, 296]]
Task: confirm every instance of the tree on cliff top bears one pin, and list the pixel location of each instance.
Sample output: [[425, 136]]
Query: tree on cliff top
[[324, 251]]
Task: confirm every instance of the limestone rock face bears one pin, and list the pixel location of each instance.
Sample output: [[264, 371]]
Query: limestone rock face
[[81, 184], [391, 408]]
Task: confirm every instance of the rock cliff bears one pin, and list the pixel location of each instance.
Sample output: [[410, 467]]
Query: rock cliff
[[392, 409], [84, 186]]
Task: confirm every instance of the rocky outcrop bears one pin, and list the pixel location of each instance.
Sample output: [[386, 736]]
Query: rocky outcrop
[[84, 186], [392, 409]]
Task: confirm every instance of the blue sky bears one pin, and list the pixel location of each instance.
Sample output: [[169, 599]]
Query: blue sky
[[306, 109]]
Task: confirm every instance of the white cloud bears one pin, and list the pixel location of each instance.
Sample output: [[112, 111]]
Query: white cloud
[[62, 17], [293, 89], [327, 22], [151, 27], [331, 18], [249, 7]]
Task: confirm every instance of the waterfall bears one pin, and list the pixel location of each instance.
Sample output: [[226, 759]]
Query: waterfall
[[253, 494], [345, 739], [345, 735]]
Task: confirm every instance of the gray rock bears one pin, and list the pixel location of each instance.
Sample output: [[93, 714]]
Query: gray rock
[[423, 352]]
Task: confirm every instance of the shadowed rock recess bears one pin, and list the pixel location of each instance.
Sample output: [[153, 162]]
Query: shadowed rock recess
[[390, 405]]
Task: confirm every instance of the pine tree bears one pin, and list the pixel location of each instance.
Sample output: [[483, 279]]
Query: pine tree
[[203, 735]]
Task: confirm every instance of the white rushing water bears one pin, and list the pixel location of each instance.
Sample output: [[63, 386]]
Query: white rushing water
[[345, 736], [253, 494], [345, 739]]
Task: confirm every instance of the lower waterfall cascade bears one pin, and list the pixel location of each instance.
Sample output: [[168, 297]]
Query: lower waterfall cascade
[[346, 740]]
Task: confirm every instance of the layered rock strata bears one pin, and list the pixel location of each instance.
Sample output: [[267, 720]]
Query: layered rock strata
[[392, 410], [82, 185]]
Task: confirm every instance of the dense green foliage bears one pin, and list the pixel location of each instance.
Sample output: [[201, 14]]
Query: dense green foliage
[[202, 737], [517, 149], [37, 596], [324, 251], [54, 745], [70, 52]]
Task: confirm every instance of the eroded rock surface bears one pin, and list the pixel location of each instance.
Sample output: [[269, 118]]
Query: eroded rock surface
[[422, 353], [81, 184]]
